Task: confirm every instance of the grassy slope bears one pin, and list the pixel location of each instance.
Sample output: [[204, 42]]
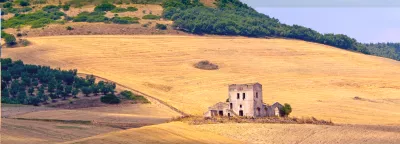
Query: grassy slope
[[317, 80], [164, 133]]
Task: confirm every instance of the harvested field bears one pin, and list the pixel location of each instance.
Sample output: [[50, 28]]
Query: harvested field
[[317, 80], [133, 115], [164, 133], [9, 110], [36, 132], [295, 133]]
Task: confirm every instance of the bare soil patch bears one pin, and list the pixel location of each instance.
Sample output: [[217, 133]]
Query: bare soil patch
[[83, 28]]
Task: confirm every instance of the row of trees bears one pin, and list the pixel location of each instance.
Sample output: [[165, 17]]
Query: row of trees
[[231, 17], [389, 50], [32, 84]]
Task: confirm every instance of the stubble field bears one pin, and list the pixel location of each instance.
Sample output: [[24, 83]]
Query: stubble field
[[317, 80]]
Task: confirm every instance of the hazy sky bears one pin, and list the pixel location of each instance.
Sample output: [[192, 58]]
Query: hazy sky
[[364, 20]]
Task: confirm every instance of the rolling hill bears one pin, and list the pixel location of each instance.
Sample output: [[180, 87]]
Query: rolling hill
[[317, 80]]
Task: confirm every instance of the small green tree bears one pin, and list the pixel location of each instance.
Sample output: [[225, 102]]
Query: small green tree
[[68, 89], [5, 93], [86, 91], [161, 26], [110, 99], [91, 79], [75, 92], [66, 7], [10, 40], [286, 109], [31, 90], [105, 7], [7, 5], [95, 89], [22, 97], [24, 3], [69, 28]]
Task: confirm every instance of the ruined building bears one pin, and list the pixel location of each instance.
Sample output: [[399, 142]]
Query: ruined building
[[244, 100]]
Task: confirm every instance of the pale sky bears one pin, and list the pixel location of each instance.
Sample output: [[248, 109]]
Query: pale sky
[[369, 21]]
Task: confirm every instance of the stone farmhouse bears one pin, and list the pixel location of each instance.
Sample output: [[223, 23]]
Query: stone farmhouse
[[244, 100]]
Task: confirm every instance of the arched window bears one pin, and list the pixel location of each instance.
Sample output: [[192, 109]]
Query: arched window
[[244, 96], [231, 106], [256, 94], [240, 106], [238, 95]]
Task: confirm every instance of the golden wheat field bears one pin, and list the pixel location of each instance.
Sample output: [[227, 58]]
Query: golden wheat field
[[176, 132], [295, 133], [317, 80]]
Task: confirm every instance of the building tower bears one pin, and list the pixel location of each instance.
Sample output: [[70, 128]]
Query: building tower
[[246, 99]]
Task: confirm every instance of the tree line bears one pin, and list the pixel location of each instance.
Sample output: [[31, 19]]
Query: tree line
[[389, 50], [232, 17], [34, 84]]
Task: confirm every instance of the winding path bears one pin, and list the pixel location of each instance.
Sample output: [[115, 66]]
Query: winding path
[[150, 98]]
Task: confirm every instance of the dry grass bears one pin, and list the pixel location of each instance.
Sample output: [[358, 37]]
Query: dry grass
[[164, 133], [139, 114], [39, 132], [317, 80], [198, 120], [295, 133]]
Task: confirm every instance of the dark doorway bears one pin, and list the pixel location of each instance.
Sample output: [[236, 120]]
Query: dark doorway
[[229, 114], [221, 113], [231, 106], [258, 111], [241, 113]]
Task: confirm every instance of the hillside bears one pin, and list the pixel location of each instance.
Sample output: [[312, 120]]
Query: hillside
[[317, 80], [156, 17]]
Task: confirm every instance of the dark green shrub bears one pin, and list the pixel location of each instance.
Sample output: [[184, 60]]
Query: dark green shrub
[[131, 9], [9, 39], [7, 5], [24, 3], [161, 26], [128, 94], [105, 7], [119, 10], [25, 9], [51, 8], [36, 19], [124, 20], [97, 16], [69, 28], [137, 98], [151, 17], [24, 42], [66, 7], [286, 109], [110, 99]]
